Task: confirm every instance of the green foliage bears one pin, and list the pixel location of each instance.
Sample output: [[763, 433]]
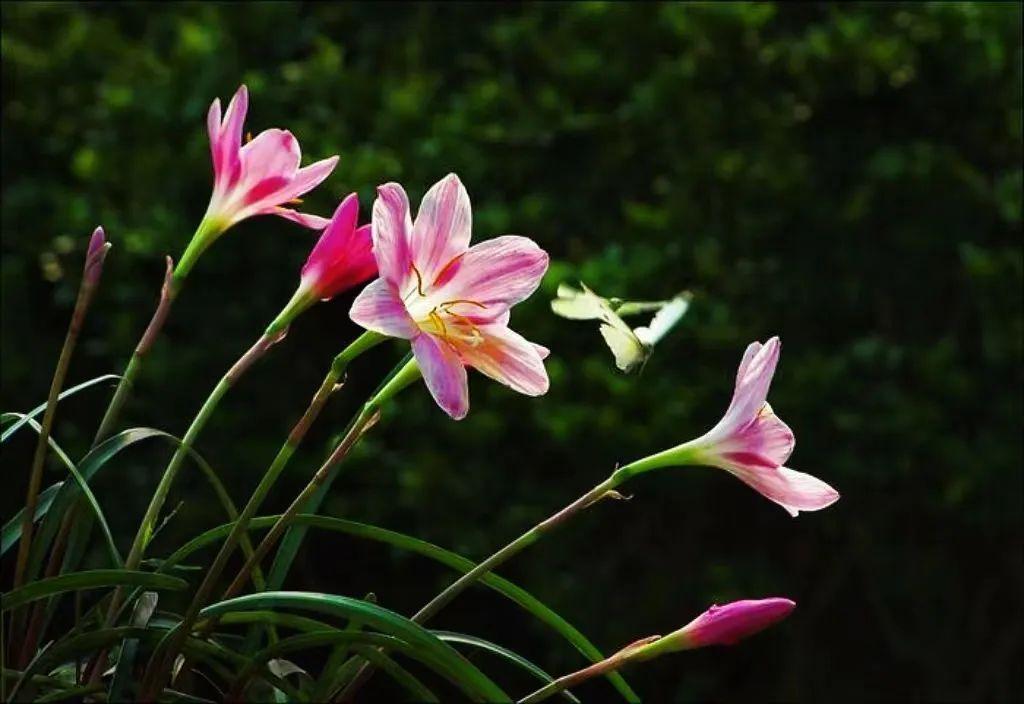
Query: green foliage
[[847, 176]]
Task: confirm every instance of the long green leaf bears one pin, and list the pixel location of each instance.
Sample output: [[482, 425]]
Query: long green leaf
[[42, 407], [12, 529], [83, 486], [404, 542], [456, 667], [70, 491], [379, 659], [335, 637], [504, 653], [90, 579], [88, 643], [145, 605]]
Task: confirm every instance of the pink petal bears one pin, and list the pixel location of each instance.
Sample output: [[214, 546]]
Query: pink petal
[[230, 140], [443, 227], [213, 130], [443, 373], [507, 357], [794, 491], [273, 153], [766, 441], [313, 222], [496, 274], [378, 308], [392, 226], [343, 256], [308, 178], [752, 383]]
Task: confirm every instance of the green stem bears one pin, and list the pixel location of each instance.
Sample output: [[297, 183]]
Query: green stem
[[609, 664], [365, 420], [329, 385], [515, 547], [86, 290], [168, 292], [149, 520]]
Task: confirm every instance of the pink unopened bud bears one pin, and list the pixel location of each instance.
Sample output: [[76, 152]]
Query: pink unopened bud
[[728, 624], [343, 256], [94, 257]]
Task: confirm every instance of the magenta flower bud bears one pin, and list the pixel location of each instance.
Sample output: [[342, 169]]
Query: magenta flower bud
[[343, 256], [94, 257], [731, 623], [719, 625]]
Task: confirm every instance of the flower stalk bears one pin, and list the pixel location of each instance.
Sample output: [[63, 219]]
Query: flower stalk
[[149, 519], [331, 383], [97, 252], [163, 657], [719, 625], [168, 292]]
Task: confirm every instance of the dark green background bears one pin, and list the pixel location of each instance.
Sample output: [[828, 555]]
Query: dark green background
[[847, 177]]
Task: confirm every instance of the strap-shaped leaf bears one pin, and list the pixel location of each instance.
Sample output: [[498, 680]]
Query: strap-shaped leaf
[[503, 653], [91, 579], [424, 644], [421, 547], [42, 407], [83, 486]]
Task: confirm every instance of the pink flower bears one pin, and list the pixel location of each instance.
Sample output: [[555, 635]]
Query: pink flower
[[261, 176], [731, 623], [341, 259], [752, 442], [451, 300], [719, 625]]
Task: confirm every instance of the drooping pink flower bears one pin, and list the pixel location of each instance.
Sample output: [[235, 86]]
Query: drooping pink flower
[[341, 259], [732, 622], [260, 177], [750, 442], [451, 300], [753, 443]]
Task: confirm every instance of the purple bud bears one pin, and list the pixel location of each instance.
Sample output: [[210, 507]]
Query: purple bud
[[94, 257]]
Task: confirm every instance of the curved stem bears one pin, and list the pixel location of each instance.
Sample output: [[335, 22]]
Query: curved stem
[[156, 503], [513, 548], [329, 385], [609, 664], [168, 292], [86, 290]]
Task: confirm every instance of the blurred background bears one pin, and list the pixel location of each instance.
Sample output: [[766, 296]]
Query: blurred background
[[845, 176]]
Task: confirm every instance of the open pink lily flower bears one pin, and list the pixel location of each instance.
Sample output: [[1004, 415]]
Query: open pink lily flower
[[341, 259], [260, 177], [751, 442], [451, 300]]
